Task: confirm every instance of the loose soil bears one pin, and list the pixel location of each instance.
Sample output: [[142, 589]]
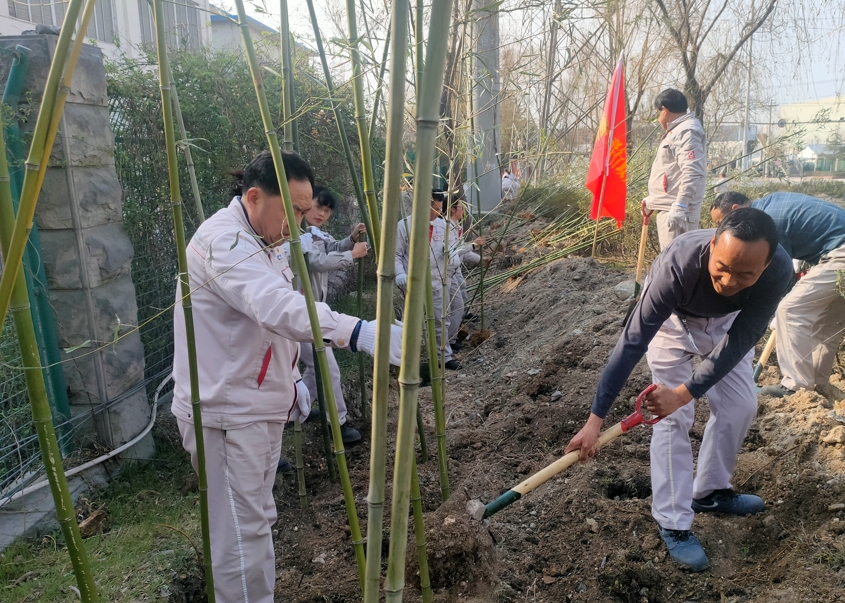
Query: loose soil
[[587, 535]]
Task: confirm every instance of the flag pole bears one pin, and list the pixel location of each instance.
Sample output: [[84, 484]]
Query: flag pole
[[607, 155]]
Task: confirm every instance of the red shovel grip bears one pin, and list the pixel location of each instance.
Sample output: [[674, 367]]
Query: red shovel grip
[[636, 417]]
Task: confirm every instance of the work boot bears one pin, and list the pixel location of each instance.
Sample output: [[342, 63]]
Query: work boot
[[457, 347], [685, 548], [776, 391], [470, 317], [313, 415], [729, 502], [284, 466], [349, 434], [453, 365]]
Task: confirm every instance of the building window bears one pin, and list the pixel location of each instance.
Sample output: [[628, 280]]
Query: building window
[[52, 12], [181, 23]]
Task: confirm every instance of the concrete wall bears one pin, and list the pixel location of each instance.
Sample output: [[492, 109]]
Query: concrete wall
[[87, 254]]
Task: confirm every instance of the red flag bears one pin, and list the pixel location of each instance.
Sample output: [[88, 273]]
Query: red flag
[[608, 174]]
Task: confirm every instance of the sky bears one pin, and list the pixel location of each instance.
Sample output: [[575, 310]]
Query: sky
[[801, 71]]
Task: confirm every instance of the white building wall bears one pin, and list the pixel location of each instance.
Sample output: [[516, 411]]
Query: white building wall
[[127, 22]]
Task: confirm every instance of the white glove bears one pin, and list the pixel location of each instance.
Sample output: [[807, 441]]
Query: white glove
[[401, 280], [677, 215], [307, 242], [455, 259], [367, 340], [303, 402]]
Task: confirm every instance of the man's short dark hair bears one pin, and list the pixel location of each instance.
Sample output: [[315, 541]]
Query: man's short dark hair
[[438, 194], [324, 197], [749, 225], [262, 173], [725, 201], [673, 100]]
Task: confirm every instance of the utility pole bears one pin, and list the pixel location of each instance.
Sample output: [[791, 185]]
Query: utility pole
[[746, 162]]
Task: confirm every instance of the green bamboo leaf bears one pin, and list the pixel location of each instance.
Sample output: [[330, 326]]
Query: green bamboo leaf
[[72, 349], [237, 238]]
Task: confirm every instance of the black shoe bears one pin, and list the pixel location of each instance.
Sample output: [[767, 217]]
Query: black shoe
[[284, 466], [453, 365], [313, 415], [349, 434], [470, 317], [729, 502], [456, 347]]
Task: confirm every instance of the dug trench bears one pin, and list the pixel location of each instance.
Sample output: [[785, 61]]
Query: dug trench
[[587, 535]]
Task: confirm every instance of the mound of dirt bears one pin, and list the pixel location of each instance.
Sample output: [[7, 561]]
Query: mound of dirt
[[587, 535]]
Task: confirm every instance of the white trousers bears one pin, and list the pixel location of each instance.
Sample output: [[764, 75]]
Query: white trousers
[[240, 468], [309, 378], [668, 229], [809, 324], [438, 322], [456, 305], [733, 406]]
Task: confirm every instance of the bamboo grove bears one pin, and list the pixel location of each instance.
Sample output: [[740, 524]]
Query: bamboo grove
[[445, 146]]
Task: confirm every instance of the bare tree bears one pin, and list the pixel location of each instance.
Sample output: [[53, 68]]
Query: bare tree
[[690, 23]]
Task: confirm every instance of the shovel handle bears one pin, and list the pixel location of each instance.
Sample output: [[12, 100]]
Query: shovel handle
[[548, 472]]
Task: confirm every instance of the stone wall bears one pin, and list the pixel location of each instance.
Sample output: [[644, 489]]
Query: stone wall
[[86, 252]]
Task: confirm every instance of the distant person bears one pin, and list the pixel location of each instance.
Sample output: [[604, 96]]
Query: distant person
[[679, 172], [510, 186], [461, 252], [722, 184], [810, 318], [326, 255], [438, 267], [711, 294]]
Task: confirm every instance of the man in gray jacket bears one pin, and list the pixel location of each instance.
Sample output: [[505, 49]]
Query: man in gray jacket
[[325, 256], [679, 172]]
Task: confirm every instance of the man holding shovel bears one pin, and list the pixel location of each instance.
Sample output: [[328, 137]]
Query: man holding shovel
[[709, 294]]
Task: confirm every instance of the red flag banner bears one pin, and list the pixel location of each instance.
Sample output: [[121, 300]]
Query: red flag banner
[[607, 177]]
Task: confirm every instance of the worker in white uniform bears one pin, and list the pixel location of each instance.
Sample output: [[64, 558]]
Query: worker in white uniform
[[679, 172], [510, 186], [327, 255], [437, 254], [248, 322], [461, 252]]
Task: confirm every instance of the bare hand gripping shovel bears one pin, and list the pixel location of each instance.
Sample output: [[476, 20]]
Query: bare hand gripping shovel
[[544, 475]]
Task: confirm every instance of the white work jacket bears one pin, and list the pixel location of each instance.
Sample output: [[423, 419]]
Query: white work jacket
[[437, 249], [461, 248], [679, 172], [247, 322], [327, 255]]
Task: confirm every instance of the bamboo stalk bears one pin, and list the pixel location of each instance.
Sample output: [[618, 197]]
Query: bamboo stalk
[[421, 430], [362, 369], [324, 426], [339, 119], [437, 394], [418, 275], [391, 200], [419, 537], [299, 260], [43, 136], [186, 148], [300, 464], [363, 128], [185, 287], [37, 393], [379, 86], [284, 41]]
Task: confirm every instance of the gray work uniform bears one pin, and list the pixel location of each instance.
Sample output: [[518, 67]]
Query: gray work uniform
[[325, 256], [437, 255], [678, 178], [464, 253], [810, 319], [680, 316]]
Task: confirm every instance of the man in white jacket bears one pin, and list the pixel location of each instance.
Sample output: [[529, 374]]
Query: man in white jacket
[[679, 172], [510, 186], [460, 252], [248, 321], [437, 254], [325, 256]]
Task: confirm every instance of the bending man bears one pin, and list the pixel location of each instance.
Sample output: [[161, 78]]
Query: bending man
[[809, 320], [708, 294]]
